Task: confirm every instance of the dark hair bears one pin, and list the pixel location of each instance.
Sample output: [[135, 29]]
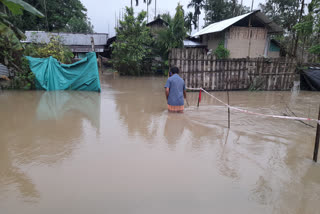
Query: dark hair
[[174, 70]]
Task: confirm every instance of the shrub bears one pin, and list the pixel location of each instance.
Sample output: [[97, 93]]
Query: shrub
[[221, 52]]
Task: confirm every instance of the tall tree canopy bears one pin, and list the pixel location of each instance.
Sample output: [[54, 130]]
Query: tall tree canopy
[[215, 10], [283, 12], [218, 10], [197, 6], [174, 34], [132, 47], [59, 15]]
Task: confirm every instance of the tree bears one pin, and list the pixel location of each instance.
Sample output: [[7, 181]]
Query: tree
[[197, 5], [10, 34], [188, 21], [132, 47], [309, 30], [57, 15], [218, 10], [10, 46], [79, 25], [173, 36], [285, 13]]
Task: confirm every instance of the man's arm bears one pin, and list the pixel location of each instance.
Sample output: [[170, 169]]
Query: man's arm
[[167, 92]]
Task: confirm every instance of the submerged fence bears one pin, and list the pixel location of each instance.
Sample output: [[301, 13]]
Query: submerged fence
[[201, 70]]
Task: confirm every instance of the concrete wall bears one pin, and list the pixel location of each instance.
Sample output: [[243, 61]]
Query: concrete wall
[[238, 42]]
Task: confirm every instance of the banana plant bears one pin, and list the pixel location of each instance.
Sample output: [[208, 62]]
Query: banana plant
[[10, 35]]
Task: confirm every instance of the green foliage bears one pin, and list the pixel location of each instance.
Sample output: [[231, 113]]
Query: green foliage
[[25, 79], [197, 5], [54, 48], [10, 35], [218, 10], [58, 14], [17, 7], [131, 51], [215, 10], [188, 21], [173, 36], [221, 52], [284, 12], [79, 25]]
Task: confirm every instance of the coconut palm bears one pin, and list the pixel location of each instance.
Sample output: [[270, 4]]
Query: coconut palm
[[197, 5], [188, 21], [144, 1]]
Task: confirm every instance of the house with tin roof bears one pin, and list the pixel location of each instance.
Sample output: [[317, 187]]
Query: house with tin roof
[[247, 35], [79, 43]]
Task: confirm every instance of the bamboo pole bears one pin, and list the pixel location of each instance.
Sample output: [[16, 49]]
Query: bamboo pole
[[316, 145], [228, 110]]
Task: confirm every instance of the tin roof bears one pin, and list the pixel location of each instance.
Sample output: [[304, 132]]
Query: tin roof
[[4, 70], [222, 25], [67, 38], [189, 43]]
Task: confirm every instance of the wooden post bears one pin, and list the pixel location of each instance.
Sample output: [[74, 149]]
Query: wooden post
[[92, 44], [316, 145], [199, 98], [228, 110], [249, 30]]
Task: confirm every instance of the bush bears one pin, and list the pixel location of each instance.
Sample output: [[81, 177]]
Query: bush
[[221, 52], [131, 53], [54, 48]]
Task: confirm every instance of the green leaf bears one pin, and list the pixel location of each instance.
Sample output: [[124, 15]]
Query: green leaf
[[17, 7]]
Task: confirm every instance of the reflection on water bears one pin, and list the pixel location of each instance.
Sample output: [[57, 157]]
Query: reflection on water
[[40, 128], [54, 105], [122, 152]]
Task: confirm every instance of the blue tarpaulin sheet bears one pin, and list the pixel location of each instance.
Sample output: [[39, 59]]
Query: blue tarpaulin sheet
[[51, 75]]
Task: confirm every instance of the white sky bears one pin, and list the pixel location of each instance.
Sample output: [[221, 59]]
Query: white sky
[[102, 12]]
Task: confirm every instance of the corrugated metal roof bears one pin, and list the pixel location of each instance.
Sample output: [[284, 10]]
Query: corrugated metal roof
[[4, 70], [222, 25], [189, 43], [66, 38]]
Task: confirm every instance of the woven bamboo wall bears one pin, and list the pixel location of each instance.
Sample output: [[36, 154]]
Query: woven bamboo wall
[[200, 70]]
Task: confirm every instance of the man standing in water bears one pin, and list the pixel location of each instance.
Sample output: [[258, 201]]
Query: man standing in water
[[175, 91]]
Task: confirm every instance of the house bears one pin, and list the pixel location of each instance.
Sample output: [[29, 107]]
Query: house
[[79, 43], [248, 35], [156, 25]]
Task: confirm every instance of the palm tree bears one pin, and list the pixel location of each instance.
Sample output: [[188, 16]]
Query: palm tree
[[148, 3], [197, 5], [188, 21]]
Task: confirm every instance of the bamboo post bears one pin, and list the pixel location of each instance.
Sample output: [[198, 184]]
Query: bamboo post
[[92, 44], [228, 110], [199, 98], [316, 145]]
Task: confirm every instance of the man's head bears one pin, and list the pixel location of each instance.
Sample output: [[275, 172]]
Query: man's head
[[174, 70]]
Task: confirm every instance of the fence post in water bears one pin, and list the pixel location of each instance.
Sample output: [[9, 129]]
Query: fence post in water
[[316, 145], [199, 98], [228, 110]]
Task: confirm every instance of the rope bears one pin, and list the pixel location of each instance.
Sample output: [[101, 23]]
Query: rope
[[255, 113]]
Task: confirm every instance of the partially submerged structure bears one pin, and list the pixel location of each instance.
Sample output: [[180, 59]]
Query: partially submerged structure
[[79, 43], [248, 35], [51, 75], [156, 25]]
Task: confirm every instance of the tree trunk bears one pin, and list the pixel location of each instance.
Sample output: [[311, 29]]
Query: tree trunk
[[155, 9], [297, 38]]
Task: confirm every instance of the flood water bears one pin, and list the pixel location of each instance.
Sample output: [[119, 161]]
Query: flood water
[[122, 152]]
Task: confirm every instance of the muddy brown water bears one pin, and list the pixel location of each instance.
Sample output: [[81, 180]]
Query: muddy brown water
[[122, 152]]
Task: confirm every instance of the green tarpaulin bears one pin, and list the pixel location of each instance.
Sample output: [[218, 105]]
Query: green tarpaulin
[[52, 75]]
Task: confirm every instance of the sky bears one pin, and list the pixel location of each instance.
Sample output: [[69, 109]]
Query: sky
[[102, 12]]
